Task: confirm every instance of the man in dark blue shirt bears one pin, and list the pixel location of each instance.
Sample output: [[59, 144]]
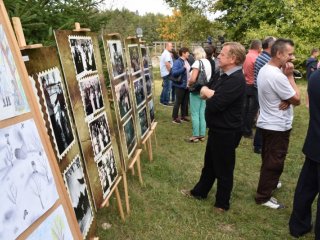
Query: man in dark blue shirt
[[308, 186]]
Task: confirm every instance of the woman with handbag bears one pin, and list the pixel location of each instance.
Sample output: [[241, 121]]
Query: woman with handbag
[[181, 69], [201, 74]]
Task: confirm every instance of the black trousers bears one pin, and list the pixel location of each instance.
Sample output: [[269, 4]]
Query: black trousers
[[274, 151], [181, 102], [219, 162], [250, 109], [308, 187]]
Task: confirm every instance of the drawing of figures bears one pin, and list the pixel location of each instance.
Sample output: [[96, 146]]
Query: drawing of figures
[[123, 98], [25, 179]]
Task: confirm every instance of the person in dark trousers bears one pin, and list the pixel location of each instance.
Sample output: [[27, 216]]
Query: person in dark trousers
[[312, 62], [308, 186], [181, 67], [224, 99]]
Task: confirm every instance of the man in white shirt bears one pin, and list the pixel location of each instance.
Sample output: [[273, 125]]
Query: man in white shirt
[[277, 93], [166, 63]]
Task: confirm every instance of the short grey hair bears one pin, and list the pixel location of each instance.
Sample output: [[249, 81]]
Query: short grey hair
[[199, 53]]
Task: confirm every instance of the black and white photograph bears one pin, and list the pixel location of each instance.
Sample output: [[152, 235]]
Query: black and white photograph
[[82, 55], [77, 188], [143, 120], [100, 134], [123, 98], [148, 84], [117, 60], [145, 57], [91, 94], [139, 91], [151, 110], [131, 141], [134, 58], [107, 171], [28, 189], [57, 110]]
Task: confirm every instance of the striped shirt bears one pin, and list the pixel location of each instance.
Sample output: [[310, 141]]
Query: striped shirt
[[261, 60]]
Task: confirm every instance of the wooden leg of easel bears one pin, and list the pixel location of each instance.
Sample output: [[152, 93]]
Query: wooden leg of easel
[[155, 137], [126, 195], [132, 170], [108, 204], [149, 147], [119, 203], [139, 170]]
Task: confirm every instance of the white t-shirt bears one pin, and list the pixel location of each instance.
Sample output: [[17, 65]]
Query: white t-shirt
[[273, 87], [165, 57], [207, 67]]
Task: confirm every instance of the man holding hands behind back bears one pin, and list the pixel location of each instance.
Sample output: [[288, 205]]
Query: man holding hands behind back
[[224, 96]]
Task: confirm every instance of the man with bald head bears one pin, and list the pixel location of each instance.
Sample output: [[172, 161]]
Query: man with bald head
[[166, 63]]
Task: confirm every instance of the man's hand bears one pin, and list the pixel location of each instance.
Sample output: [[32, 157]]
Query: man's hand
[[206, 93], [284, 105], [288, 69]]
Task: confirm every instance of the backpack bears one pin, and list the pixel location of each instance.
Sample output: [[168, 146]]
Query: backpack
[[201, 79]]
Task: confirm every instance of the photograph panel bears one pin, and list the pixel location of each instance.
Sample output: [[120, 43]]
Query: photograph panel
[[134, 59], [116, 58], [123, 98], [130, 136], [139, 91], [148, 84], [145, 58], [143, 120], [151, 110]]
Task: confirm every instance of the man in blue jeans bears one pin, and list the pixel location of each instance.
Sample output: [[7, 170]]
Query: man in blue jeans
[[166, 63]]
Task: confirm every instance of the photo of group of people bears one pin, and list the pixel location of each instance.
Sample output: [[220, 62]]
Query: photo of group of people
[[117, 61], [91, 95], [130, 136], [134, 58], [57, 110], [107, 171], [148, 84], [123, 98], [139, 91], [100, 134], [143, 120], [83, 55]]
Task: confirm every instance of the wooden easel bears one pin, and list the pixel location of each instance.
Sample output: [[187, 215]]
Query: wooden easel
[[147, 144], [136, 160]]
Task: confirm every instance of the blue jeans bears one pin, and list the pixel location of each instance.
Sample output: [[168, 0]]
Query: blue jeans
[[166, 87]]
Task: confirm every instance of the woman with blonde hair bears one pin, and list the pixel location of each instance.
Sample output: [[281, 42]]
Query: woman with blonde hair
[[198, 105]]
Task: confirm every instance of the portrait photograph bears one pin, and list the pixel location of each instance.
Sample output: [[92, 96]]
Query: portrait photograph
[[148, 84], [145, 57], [82, 55], [28, 189], [131, 141], [139, 91], [116, 57], [143, 120], [123, 98], [13, 101], [57, 110], [107, 171], [77, 189], [151, 110], [100, 134], [134, 58], [91, 94]]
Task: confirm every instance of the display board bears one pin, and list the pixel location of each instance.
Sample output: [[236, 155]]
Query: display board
[[45, 73], [31, 185], [123, 95], [82, 68]]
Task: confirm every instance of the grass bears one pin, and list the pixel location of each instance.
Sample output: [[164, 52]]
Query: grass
[[159, 211]]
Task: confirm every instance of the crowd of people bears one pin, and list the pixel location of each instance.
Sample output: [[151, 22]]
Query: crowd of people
[[244, 89]]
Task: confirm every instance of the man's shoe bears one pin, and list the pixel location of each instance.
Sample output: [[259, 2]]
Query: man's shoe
[[185, 119], [273, 203], [176, 121], [219, 210], [187, 193]]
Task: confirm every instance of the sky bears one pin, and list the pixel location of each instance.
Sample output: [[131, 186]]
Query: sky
[[142, 6]]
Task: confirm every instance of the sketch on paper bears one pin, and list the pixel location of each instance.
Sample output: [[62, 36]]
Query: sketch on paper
[[91, 95], [27, 185], [139, 91], [100, 134], [77, 188], [143, 120], [134, 58], [82, 55], [131, 141], [151, 110], [148, 84], [145, 57], [123, 98], [107, 171], [57, 110], [54, 227], [13, 101], [116, 57]]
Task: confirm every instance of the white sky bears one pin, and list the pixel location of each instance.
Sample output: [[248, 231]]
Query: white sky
[[142, 6]]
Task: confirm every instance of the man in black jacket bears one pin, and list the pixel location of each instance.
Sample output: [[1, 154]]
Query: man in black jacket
[[224, 95]]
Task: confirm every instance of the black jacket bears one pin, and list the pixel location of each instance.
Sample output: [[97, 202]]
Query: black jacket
[[224, 109]]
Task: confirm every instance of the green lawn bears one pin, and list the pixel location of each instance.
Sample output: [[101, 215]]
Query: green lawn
[[159, 211]]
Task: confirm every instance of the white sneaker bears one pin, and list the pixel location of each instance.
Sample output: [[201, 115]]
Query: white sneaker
[[273, 203]]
